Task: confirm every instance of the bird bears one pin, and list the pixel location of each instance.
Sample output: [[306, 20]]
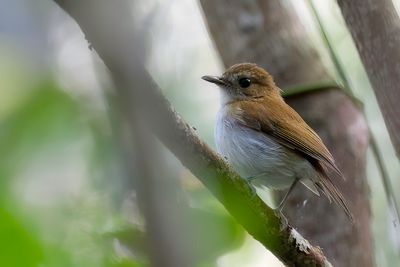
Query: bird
[[266, 141]]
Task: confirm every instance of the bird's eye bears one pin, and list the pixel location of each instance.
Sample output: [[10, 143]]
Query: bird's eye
[[244, 82]]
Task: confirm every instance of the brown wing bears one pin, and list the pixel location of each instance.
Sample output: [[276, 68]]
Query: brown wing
[[280, 121], [294, 133]]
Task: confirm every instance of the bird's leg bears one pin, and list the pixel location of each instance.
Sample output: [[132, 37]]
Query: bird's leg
[[283, 202], [284, 221], [278, 210], [249, 180]]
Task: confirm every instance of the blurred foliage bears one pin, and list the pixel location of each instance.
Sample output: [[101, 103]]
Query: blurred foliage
[[47, 117], [17, 246], [83, 228], [212, 234]]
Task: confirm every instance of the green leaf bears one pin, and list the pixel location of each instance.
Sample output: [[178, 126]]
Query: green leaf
[[48, 118], [17, 247], [211, 234]]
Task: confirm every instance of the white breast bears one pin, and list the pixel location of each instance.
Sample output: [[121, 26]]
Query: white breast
[[252, 153]]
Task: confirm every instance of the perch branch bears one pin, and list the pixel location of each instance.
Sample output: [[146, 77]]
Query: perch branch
[[108, 27]]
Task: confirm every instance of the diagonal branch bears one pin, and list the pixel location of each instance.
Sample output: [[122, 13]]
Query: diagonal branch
[[108, 27]]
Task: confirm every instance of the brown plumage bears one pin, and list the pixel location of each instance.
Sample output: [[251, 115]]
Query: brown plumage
[[265, 115], [258, 105]]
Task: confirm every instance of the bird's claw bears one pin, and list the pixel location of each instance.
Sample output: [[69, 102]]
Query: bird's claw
[[252, 188], [283, 219]]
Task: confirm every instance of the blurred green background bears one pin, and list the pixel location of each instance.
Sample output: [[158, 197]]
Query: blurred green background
[[65, 199]]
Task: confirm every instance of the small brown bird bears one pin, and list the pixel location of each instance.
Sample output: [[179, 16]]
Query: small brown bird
[[265, 140]]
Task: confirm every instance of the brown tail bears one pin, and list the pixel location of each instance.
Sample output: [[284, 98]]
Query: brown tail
[[325, 185], [332, 193]]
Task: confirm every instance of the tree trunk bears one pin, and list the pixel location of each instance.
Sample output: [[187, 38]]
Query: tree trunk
[[375, 27], [270, 34]]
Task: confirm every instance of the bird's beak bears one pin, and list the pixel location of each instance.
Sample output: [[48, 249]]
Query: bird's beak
[[215, 79]]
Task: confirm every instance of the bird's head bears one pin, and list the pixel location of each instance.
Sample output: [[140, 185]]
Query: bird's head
[[244, 81]]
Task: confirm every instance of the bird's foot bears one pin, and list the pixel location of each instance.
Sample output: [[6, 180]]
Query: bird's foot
[[283, 219], [251, 178], [253, 189]]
